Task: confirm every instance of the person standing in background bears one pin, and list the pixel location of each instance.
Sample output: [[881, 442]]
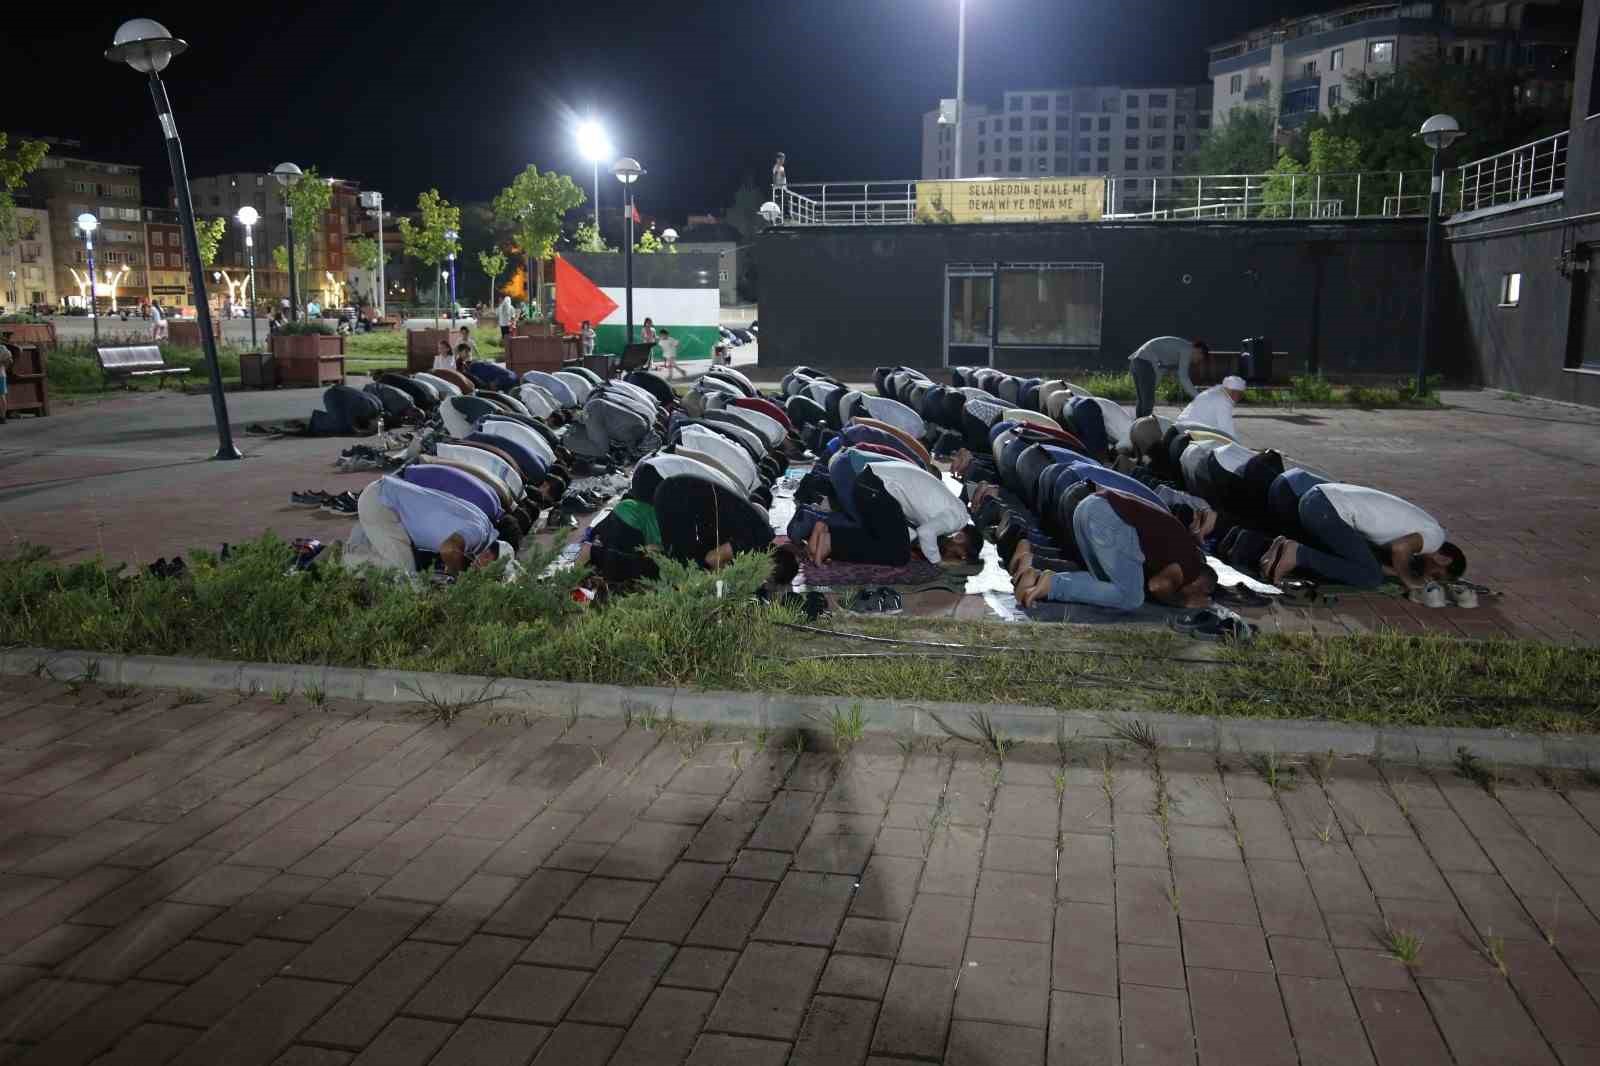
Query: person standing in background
[[1154, 358], [587, 336], [506, 316], [780, 177]]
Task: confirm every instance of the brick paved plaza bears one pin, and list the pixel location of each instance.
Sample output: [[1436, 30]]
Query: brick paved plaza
[[246, 882]]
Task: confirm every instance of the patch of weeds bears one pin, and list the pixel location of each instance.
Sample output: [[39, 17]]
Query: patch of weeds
[[599, 756], [247, 692], [797, 744], [1493, 949], [738, 756], [189, 697], [1403, 944], [91, 671], [1320, 767], [445, 710], [316, 695], [572, 722], [1059, 778], [847, 726], [120, 692], [280, 695], [1066, 744], [1470, 767], [763, 736], [691, 739], [1135, 731], [1325, 834], [907, 743], [938, 818], [1279, 774], [1172, 896], [988, 738]]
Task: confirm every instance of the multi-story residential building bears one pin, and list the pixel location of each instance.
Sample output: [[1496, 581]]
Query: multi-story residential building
[[168, 274], [27, 268], [1125, 131], [322, 266], [1298, 67], [68, 185]]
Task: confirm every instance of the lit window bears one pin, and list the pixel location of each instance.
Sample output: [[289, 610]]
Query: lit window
[[1335, 96], [1380, 52], [1336, 59], [1510, 290]]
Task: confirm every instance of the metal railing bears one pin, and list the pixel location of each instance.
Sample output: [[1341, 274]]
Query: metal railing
[[1538, 168], [1371, 194]]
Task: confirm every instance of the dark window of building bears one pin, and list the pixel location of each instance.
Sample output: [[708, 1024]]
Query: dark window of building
[[1177, 143], [1133, 122], [1063, 122], [1063, 102], [1061, 164], [1102, 144], [1335, 96], [1158, 99], [1016, 124], [1336, 59], [1133, 102], [1103, 125], [1202, 122], [980, 125], [1131, 163], [1039, 103], [1013, 103], [1380, 52], [1016, 165], [1131, 143], [1308, 69], [1041, 144], [1085, 125], [1083, 144], [1158, 162], [1236, 84], [1083, 165], [1039, 122], [983, 146], [1016, 144], [1043, 164], [1059, 307], [1102, 164], [980, 166], [1179, 121], [1158, 142], [1158, 122]]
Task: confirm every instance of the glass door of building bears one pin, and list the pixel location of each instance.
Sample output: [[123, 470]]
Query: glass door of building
[[969, 314]]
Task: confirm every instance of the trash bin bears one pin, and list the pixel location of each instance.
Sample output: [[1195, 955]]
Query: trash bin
[[1255, 360]]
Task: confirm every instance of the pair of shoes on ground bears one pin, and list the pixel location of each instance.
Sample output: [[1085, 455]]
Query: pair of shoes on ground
[[1434, 594], [357, 464], [881, 600], [1214, 623], [581, 503], [344, 503], [162, 568]]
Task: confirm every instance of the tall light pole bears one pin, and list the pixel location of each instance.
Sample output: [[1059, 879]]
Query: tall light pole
[[373, 202], [1438, 133], [87, 224], [628, 171], [289, 175], [248, 217], [451, 236], [147, 47], [961, 78], [595, 147], [16, 293]]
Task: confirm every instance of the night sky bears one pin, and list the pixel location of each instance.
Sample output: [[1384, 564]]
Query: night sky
[[461, 96]]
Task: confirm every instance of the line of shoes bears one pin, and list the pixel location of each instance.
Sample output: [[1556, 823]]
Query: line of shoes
[[1459, 593], [342, 504], [364, 457]]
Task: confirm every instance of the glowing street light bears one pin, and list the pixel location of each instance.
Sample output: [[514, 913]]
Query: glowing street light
[[452, 236], [87, 224], [248, 217], [595, 147], [670, 236], [288, 176], [628, 171], [772, 213]]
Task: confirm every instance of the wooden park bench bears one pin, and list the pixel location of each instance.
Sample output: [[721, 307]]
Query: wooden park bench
[[136, 361]]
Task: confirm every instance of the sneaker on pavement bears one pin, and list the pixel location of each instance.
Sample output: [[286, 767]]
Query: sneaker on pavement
[[1464, 596]]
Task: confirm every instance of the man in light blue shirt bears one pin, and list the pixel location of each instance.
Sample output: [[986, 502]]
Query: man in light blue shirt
[[407, 526]]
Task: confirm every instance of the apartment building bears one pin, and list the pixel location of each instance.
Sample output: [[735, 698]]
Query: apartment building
[[27, 266], [323, 267], [167, 272], [1078, 131], [67, 185], [1299, 67]]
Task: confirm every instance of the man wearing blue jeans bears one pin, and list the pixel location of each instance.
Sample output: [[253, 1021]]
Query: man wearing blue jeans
[[1354, 535], [1153, 359], [1130, 550]]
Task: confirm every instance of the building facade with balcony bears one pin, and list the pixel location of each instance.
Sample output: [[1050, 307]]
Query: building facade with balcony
[[1080, 131], [67, 185], [1299, 67], [27, 265], [167, 273]]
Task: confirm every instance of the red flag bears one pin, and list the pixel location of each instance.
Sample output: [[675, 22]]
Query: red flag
[[578, 299], [635, 209]]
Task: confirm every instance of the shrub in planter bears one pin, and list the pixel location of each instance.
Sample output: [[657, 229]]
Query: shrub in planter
[[306, 326]]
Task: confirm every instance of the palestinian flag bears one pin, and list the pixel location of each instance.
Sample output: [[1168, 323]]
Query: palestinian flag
[[677, 292]]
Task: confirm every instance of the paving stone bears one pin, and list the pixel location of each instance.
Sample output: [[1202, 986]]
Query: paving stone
[[1144, 907], [1374, 970], [572, 1044], [1022, 811], [682, 808], [1145, 964], [1014, 907], [761, 865], [1450, 946], [1086, 869], [46, 911], [677, 902], [1398, 868], [1009, 983], [574, 944], [364, 1010], [137, 942], [467, 908], [808, 908], [1483, 1022], [1085, 810], [303, 922], [349, 889], [861, 792], [623, 982], [205, 1002], [860, 976], [405, 1042], [1262, 829], [732, 913], [1336, 878], [1239, 1018], [533, 994], [1327, 1030], [527, 910], [838, 843], [185, 963], [1204, 842], [936, 932], [767, 993], [784, 825], [1564, 1012], [646, 851], [714, 1049], [975, 1043], [1084, 1030], [522, 854], [607, 899], [666, 1028], [916, 1012], [257, 1030], [467, 977], [1155, 1027], [1491, 905], [365, 935], [1303, 957], [1284, 899], [1019, 854], [37, 1009], [706, 968], [1084, 957], [1224, 947], [148, 1045], [260, 909], [1400, 1028], [726, 832], [101, 1026], [836, 1031], [480, 1042], [869, 936], [152, 886]]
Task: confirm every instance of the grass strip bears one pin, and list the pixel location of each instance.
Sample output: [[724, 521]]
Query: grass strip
[[699, 630]]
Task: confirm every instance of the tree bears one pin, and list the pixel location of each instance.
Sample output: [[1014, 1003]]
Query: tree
[[280, 259], [310, 197], [650, 244], [533, 207], [588, 239], [1241, 145], [1303, 190], [426, 242], [367, 254], [208, 238], [492, 263], [14, 170]]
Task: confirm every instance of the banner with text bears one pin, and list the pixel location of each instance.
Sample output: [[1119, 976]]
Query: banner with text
[[1027, 200]]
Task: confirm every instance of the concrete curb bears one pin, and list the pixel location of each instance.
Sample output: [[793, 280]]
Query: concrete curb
[[779, 712]]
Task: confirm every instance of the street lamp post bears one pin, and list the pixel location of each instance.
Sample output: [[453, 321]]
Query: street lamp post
[[16, 294], [451, 236], [961, 78], [594, 146], [289, 175], [1438, 133], [248, 217], [147, 47], [373, 202], [628, 171], [87, 224]]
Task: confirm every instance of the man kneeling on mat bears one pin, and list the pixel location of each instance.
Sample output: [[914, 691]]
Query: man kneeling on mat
[[409, 528]]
